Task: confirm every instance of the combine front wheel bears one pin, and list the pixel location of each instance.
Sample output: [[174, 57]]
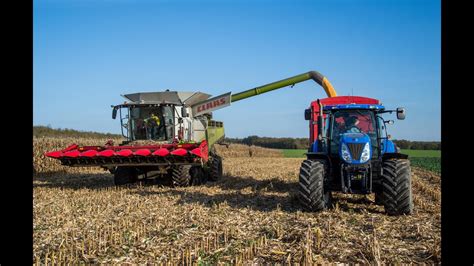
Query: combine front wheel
[[396, 187], [181, 176], [124, 175], [198, 176], [313, 194], [215, 171]]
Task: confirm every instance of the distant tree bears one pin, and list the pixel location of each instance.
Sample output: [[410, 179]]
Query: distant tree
[[303, 143]]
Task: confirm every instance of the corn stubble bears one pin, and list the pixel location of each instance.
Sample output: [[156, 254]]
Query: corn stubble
[[250, 216]]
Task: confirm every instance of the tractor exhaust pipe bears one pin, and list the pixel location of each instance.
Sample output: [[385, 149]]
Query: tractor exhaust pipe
[[321, 136]]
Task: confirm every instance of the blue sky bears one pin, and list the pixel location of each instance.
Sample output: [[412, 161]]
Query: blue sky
[[87, 53]]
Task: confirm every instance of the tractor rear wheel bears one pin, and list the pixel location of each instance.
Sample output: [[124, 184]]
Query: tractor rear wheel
[[181, 176], [125, 175], [313, 192], [396, 187], [215, 168]]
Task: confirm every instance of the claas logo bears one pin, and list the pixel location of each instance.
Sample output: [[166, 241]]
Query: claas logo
[[211, 105]]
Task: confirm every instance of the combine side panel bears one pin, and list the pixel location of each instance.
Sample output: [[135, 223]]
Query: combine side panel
[[214, 132]]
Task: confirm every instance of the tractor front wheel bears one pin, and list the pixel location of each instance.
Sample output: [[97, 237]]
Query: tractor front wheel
[[378, 198], [313, 192], [125, 175], [396, 187]]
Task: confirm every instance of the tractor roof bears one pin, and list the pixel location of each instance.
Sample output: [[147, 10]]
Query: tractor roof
[[354, 106], [348, 102], [166, 97]]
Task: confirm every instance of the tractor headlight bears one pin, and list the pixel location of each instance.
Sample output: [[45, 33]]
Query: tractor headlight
[[345, 153], [365, 153]]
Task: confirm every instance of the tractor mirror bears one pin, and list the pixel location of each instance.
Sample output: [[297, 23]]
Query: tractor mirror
[[114, 113], [307, 114], [400, 113], [184, 112]]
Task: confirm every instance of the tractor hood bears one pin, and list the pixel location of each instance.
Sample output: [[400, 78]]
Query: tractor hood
[[355, 148]]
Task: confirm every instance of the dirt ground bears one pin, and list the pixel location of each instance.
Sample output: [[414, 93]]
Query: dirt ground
[[251, 215]]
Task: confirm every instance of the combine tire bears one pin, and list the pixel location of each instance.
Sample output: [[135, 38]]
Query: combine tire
[[124, 175], [181, 176], [313, 194], [215, 171], [396, 187], [198, 176]]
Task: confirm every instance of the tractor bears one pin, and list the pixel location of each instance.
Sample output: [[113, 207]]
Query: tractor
[[350, 152]]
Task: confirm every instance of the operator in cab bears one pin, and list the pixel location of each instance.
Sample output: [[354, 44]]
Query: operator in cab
[[140, 129], [152, 123], [351, 124], [345, 123]]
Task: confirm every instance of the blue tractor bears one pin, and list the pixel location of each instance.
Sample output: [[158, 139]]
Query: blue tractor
[[351, 152]]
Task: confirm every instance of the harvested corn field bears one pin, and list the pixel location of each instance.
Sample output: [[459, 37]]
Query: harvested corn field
[[251, 215], [240, 150]]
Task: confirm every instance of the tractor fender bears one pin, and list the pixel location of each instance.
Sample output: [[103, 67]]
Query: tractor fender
[[320, 156], [394, 155], [317, 155]]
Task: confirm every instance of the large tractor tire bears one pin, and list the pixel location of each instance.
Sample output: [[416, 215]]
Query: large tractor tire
[[396, 187], [181, 176], [215, 168], [379, 198], [124, 176], [313, 192]]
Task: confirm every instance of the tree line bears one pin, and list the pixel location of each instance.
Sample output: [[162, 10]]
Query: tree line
[[47, 131], [303, 143], [418, 145]]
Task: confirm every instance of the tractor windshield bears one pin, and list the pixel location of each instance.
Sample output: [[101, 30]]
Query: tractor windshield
[[151, 123], [352, 121]]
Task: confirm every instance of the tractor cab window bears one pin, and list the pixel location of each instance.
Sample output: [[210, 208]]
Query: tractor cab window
[[149, 122], [352, 121]]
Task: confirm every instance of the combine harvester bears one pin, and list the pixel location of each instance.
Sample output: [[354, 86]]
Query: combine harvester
[[360, 159]]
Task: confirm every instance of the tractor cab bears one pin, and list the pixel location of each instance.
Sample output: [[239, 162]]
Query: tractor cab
[[355, 128], [347, 122]]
